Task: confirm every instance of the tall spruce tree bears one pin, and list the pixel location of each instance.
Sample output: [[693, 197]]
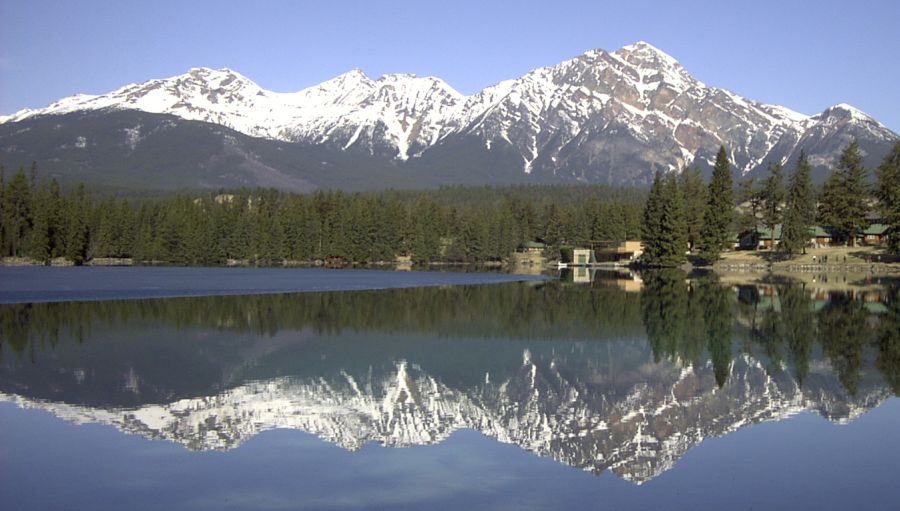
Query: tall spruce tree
[[749, 198], [694, 191], [800, 211], [719, 214], [37, 241], [17, 213], [846, 196], [664, 226], [672, 228], [3, 212], [773, 198], [888, 193], [651, 221], [77, 228]]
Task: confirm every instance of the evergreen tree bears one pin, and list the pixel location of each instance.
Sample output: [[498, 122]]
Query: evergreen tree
[[472, 241], [750, 198], [37, 241], [54, 205], [773, 196], [888, 193], [17, 213], [673, 227], [694, 192], [426, 243], [77, 228], [800, 210], [553, 227], [617, 225], [717, 219], [652, 221], [106, 229], [665, 228], [845, 198], [4, 235]]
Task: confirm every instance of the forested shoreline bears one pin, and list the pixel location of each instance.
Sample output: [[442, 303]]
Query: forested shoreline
[[681, 216], [269, 227]]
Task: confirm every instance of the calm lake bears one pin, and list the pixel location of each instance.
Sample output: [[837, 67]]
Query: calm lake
[[592, 391]]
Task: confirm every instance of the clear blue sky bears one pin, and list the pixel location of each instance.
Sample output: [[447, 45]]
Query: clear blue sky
[[804, 55]]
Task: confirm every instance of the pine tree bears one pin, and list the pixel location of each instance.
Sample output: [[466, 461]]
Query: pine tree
[[672, 227], [55, 211], [37, 241], [17, 213], [718, 217], [106, 229], [845, 198], [694, 192], [553, 226], [4, 236], [773, 198], [426, 241], [888, 193], [800, 211], [77, 229], [749, 197], [651, 222]]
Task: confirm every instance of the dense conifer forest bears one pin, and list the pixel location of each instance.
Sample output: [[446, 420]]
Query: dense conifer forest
[[269, 227], [681, 215]]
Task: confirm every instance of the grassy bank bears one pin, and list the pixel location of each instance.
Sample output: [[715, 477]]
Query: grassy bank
[[863, 260]]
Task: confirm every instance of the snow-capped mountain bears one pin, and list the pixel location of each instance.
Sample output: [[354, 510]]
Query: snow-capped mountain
[[397, 111], [599, 117]]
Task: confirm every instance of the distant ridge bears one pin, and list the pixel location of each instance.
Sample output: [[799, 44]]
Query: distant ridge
[[601, 117]]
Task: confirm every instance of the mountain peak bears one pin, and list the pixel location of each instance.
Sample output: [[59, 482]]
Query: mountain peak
[[355, 76], [353, 80], [354, 73], [645, 51], [844, 108]]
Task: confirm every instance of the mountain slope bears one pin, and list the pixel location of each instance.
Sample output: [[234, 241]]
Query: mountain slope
[[610, 117]]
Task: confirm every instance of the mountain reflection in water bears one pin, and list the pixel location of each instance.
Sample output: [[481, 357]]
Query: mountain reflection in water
[[597, 376]]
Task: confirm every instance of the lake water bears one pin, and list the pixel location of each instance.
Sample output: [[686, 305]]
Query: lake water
[[591, 392]]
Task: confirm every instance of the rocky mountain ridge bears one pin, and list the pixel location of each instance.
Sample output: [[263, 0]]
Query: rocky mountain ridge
[[609, 117]]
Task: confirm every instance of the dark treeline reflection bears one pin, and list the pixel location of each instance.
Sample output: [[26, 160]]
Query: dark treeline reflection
[[686, 320], [208, 341], [531, 310], [780, 323]]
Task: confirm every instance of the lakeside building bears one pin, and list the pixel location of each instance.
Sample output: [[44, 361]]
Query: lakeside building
[[820, 236]]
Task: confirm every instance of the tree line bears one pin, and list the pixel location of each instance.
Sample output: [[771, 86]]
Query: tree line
[[683, 215], [265, 226]]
